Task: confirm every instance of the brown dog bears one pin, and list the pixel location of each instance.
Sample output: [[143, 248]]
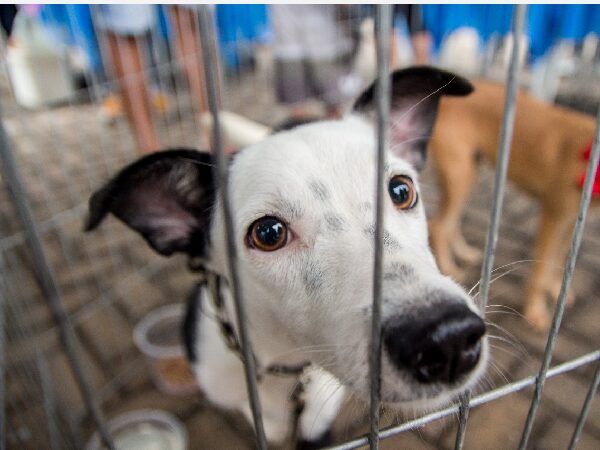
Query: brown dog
[[547, 161]]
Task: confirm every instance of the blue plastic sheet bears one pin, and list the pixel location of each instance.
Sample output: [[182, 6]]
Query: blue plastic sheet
[[240, 26], [546, 25]]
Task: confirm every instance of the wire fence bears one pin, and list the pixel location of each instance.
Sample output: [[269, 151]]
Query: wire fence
[[59, 291]]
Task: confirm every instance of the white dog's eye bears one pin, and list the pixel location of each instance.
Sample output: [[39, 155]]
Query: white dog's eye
[[267, 234], [402, 191]]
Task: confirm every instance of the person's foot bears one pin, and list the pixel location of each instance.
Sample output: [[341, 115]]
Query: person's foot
[[148, 144], [333, 112], [160, 102], [111, 108]]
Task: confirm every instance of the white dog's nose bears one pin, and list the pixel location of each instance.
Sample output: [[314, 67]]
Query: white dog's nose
[[439, 344]]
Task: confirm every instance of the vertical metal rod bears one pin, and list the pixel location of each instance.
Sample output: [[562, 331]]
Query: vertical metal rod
[[202, 103], [178, 66], [463, 416], [220, 173], [585, 409], [383, 29], [159, 49], [2, 359], [506, 133], [23, 373], [586, 195], [48, 284], [49, 402]]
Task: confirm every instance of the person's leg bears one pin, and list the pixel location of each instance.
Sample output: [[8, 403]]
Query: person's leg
[[127, 68], [291, 87], [421, 39], [422, 42], [324, 78], [188, 49]]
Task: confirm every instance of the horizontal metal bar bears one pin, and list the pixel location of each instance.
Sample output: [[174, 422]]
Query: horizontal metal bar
[[44, 226], [475, 401], [109, 295]]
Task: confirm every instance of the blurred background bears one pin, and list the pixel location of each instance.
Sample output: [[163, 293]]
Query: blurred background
[[85, 89]]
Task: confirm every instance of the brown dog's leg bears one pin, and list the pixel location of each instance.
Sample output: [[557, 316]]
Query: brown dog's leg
[[456, 171], [558, 266], [464, 251], [547, 254]]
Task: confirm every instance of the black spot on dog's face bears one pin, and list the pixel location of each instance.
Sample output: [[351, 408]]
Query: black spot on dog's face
[[400, 272], [319, 190], [389, 242], [288, 210], [312, 276], [334, 222]]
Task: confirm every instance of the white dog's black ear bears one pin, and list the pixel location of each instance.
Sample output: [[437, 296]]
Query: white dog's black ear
[[416, 92], [167, 197]]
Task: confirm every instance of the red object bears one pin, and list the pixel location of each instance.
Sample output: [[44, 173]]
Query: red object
[[586, 157]]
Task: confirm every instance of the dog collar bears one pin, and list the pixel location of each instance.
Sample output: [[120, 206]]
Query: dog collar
[[587, 151], [213, 282]]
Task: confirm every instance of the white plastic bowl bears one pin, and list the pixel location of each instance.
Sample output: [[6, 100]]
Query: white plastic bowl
[[158, 336], [144, 429]]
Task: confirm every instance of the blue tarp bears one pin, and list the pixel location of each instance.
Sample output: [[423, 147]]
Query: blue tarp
[[248, 23], [72, 25], [238, 25], [546, 24]]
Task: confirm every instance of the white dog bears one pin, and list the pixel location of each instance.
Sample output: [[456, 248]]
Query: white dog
[[303, 206]]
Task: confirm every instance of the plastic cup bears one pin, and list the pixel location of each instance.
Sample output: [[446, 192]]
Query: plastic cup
[[144, 429], [158, 336]]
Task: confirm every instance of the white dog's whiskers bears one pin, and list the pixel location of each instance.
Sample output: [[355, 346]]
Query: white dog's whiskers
[[319, 348], [506, 307], [511, 341], [199, 163], [522, 261], [409, 110], [504, 349], [398, 145], [339, 386]]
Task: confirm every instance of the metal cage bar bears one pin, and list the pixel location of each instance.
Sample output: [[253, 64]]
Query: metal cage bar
[[383, 26], [475, 401], [504, 147], [586, 196], [220, 175], [383, 13], [49, 286], [585, 409], [49, 403], [2, 358]]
